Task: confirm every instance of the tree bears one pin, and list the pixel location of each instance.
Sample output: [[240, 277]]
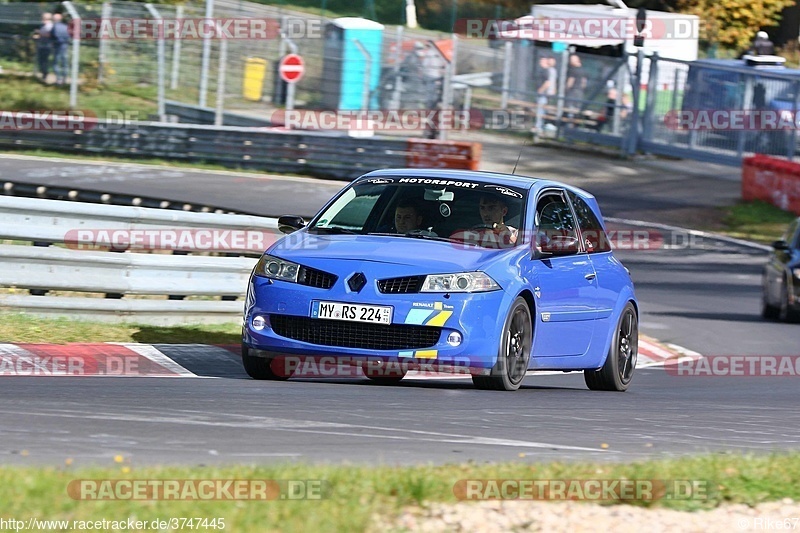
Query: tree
[[733, 23]]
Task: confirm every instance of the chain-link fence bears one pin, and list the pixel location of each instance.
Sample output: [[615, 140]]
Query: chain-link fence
[[629, 101]]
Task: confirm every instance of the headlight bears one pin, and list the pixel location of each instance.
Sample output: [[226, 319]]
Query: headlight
[[796, 273], [274, 268], [463, 282]]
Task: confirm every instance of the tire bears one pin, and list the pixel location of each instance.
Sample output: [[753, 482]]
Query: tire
[[617, 372], [514, 352], [784, 313], [259, 367], [768, 311]]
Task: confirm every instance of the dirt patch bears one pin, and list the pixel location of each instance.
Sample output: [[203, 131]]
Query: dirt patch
[[568, 517]]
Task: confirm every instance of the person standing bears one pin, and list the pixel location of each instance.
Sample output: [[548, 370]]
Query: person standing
[[762, 46], [61, 39], [44, 46], [546, 90], [576, 82]]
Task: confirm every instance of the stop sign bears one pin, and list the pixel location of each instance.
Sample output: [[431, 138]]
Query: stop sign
[[291, 68]]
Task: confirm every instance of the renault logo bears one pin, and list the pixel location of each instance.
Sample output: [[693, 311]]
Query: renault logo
[[357, 282]]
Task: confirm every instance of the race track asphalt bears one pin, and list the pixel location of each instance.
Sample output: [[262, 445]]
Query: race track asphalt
[[703, 297]]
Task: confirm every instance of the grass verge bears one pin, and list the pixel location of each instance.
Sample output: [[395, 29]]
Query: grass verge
[[21, 327], [756, 221], [22, 93], [353, 496]]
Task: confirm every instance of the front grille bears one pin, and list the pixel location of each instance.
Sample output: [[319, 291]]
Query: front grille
[[355, 334], [315, 278], [406, 285]]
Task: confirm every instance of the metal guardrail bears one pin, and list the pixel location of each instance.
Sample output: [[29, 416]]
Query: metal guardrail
[[194, 114], [58, 268], [277, 151], [31, 219]]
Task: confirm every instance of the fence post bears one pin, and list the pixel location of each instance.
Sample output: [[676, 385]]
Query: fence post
[[633, 128], [161, 104], [562, 86], [206, 57], [447, 88], [76, 55], [507, 57], [747, 103], [105, 14], [223, 61], [674, 104], [290, 87], [176, 53], [650, 100], [616, 125], [394, 102]]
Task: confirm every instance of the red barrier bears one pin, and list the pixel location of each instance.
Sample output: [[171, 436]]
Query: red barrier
[[429, 153], [775, 181]]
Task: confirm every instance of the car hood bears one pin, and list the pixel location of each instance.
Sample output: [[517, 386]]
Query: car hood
[[417, 254]]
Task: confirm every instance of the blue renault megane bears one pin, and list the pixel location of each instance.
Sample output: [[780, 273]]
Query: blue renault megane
[[494, 273]]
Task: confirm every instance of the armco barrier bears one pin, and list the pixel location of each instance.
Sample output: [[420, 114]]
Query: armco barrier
[[772, 180], [58, 268], [319, 154]]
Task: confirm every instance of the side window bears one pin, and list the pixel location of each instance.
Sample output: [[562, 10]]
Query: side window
[[556, 230], [594, 238]]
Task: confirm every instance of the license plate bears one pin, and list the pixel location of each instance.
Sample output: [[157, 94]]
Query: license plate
[[374, 314]]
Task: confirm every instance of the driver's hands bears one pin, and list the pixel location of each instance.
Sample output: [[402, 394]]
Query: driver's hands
[[500, 227]]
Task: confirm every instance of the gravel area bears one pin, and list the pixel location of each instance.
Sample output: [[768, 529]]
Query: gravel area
[[503, 516]]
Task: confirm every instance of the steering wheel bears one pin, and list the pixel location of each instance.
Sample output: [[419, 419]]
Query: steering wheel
[[483, 226], [426, 232]]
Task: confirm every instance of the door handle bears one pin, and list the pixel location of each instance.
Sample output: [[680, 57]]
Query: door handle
[[590, 276]]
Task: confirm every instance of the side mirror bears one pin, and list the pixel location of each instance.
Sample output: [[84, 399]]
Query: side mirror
[[290, 223], [556, 245], [780, 245]]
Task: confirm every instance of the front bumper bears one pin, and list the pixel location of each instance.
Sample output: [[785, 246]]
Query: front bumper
[[477, 317]]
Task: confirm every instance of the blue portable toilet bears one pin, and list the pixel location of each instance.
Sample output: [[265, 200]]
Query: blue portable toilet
[[344, 67]]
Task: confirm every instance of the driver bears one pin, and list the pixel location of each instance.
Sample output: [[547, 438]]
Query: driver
[[493, 210], [407, 216]]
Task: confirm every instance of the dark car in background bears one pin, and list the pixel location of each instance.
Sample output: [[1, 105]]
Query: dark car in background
[[781, 278]]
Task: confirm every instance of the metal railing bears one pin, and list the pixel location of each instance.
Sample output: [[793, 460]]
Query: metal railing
[[277, 151], [59, 262]]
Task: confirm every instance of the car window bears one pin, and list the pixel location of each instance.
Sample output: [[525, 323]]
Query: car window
[[556, 229], [595, 238], [443, 207], [351, 210]]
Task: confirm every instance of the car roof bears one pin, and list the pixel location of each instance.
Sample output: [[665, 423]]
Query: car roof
[[741, 64]]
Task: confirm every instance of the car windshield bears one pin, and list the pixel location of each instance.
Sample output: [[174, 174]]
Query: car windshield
[[438, 209]]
